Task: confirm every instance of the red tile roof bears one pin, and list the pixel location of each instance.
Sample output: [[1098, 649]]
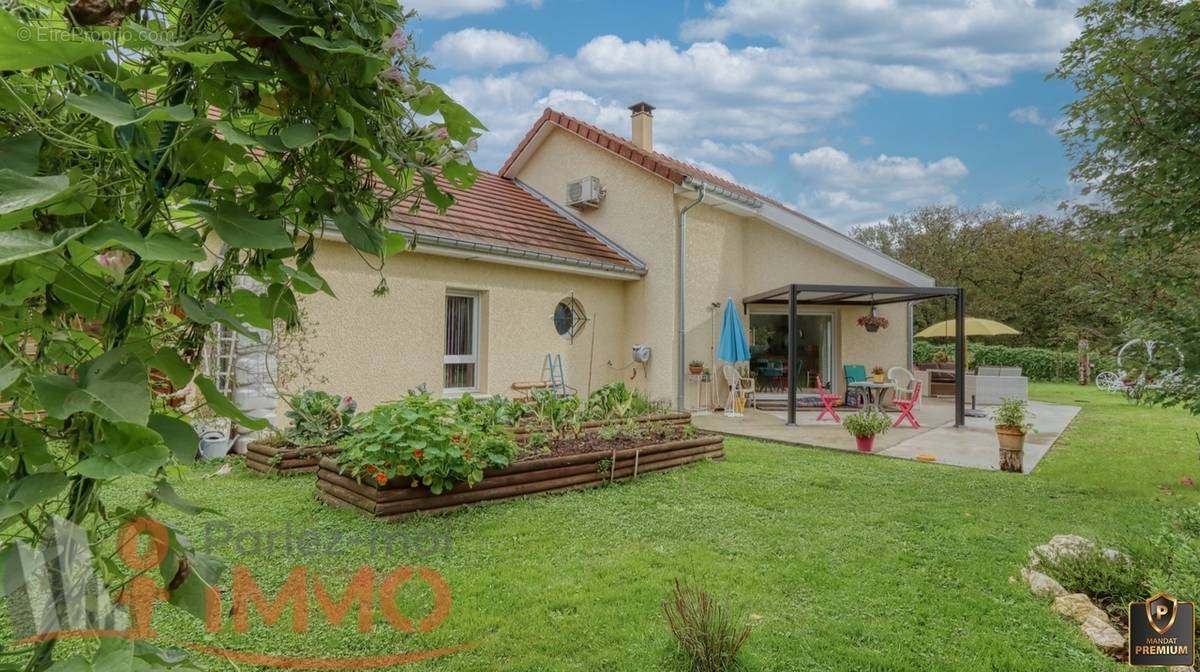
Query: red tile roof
[[498, 211], [660, 164]]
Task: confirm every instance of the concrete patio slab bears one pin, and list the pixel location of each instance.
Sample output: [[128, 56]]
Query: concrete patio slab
[[971, 446]]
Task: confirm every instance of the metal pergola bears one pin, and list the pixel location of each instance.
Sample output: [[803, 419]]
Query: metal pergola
[[866, 295]]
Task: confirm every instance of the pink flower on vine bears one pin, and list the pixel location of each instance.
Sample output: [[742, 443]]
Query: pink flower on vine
[[396, 42], [115, 262], [441, 133], [395, 74]]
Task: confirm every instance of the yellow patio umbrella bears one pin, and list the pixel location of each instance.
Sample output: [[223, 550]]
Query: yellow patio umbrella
[[975, 326]]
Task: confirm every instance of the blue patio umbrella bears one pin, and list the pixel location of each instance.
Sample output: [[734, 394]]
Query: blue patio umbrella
[[734, 347]]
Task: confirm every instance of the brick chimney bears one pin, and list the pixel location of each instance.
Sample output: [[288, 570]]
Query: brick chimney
[[643, 125]]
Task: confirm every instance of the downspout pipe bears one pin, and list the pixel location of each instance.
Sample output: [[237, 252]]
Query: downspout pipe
[[681, 363]]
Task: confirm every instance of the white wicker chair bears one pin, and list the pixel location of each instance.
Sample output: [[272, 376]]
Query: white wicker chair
[[738, 385], [903, 381]]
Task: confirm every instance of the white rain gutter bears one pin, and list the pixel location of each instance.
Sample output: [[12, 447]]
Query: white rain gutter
[[681, 386], [704, 189], [723, 193]]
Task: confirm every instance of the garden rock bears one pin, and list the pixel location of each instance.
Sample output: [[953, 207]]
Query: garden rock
[[1103, 635], [1113, 555], [1041, 584], [1078, 608], [1061, 546]]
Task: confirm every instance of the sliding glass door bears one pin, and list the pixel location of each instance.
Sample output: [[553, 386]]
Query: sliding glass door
[[768, 351]]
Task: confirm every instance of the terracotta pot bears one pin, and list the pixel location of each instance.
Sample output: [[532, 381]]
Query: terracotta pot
[[1012, 448], [695, 370], [865, 443]]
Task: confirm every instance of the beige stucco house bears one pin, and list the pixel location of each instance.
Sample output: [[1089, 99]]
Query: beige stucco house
[[473, 307]]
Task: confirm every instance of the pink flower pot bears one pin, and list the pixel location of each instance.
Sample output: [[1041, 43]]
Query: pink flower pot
[[865, 444]]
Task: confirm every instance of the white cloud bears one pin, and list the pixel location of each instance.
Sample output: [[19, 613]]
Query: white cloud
[[819, 59], [794, 72], [737, 152], [931, 46], [742, 101], [449, 9], [477, 49], [1027, 115], [845, 191]]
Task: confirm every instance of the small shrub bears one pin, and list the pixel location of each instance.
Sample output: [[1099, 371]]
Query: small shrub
[[494, 411], [538, 442], [867, 423], [708, 631], [319, 418], [1013, 413], [425, 439], [1038, 364], [1175, 557], [609, 432], [560, 415], [1111, 583], [618, 400]]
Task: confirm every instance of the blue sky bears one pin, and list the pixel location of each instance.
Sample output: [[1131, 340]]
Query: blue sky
[[851, 110]]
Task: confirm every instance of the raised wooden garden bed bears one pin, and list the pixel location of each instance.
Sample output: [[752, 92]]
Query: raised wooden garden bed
[[675, 418], [285, 460], [396, 498]]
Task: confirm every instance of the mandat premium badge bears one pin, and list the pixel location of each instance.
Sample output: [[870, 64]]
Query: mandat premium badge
[[1162, 631]]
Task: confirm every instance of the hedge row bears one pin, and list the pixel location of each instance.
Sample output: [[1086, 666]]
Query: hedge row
[[1041, 364]]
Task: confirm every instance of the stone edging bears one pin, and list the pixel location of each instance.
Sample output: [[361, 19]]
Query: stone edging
[[1078, 607]]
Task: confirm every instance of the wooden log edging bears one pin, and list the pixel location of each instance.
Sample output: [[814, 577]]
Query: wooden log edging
[[395, 500], [286, 460]]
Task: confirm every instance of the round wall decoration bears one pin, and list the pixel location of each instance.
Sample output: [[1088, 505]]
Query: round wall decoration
[[569, 317]]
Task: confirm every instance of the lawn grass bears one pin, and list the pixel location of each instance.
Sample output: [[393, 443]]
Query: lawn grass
[[846, 562]]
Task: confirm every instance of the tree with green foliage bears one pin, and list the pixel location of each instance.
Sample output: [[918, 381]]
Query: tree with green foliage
[[152, 155], [1134, 131], [1027, 271]]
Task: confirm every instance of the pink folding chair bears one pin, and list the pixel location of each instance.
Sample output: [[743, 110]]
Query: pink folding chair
[[906, 406], [828, 400]]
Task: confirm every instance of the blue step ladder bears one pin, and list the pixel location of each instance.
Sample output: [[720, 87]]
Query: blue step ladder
[[552, 372]]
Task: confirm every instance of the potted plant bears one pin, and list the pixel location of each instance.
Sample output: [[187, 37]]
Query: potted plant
[[865, 425], [1012, 425], [873, 323], [705, 375], [942, 357], [878, 374], [695, 367]]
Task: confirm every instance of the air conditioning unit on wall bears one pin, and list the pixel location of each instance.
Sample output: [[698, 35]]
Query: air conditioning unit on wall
[[584, 192]]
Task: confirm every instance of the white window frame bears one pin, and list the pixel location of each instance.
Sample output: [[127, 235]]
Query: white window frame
[[463, 359]]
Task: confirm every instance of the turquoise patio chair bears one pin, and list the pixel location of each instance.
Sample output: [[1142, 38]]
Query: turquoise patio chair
[[855, 373]]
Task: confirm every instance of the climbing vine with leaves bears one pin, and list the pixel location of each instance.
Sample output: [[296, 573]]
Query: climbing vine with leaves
[[152, 155]]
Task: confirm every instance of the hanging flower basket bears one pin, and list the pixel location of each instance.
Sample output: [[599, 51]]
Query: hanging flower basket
[[873, 323]]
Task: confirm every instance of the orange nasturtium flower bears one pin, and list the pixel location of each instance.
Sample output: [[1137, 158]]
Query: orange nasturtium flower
[[381, 478], [418, 454]]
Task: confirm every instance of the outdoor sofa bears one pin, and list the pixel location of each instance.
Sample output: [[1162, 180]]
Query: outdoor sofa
[[992, 384]]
